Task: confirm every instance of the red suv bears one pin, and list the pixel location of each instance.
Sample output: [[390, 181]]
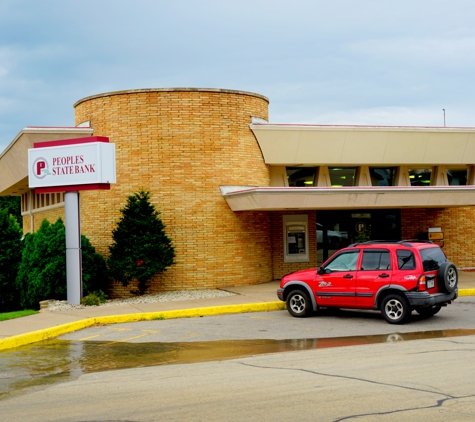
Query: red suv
[[393, 277]]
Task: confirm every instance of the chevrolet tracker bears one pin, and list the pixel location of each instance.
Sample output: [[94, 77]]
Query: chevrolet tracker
[[392, 277]]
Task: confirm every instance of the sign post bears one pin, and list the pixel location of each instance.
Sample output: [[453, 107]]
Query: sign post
[[70, 166], [73, 247]]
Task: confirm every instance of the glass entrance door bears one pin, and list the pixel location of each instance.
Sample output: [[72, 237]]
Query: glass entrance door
[[340, 228]]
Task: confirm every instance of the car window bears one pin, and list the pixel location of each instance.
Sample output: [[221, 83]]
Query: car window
[[405, 260], [375, 260], [345, 261], [432, 258]]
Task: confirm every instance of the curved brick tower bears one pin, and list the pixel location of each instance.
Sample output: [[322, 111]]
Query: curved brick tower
[[182, 144]]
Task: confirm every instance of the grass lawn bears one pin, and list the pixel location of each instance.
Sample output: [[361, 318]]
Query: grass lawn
[[16, 314]]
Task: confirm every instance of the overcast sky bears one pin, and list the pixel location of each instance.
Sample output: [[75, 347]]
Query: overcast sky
[[379, 62]]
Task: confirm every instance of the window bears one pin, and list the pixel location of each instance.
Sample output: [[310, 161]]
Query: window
[[405, 260], [342, 176], [420, 177], [301, 176], [382, 176], [457, 177], [296, 238], [344, 262], [432, 258], [31, 202], [376, 260]]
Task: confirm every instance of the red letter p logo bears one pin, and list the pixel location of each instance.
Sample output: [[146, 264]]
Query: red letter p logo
[[40, 168], [40, 165]]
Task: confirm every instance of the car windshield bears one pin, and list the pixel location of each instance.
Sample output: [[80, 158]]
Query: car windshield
[[432, 258]]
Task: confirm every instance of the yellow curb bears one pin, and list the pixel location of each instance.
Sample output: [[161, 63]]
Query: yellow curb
[[467, 292], [47, 333]]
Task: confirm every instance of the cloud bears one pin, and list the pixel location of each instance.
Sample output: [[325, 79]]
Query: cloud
[[446, 53], [325, 61]]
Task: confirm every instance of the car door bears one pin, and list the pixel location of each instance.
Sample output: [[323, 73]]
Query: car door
[[375, 271], [336, 280]]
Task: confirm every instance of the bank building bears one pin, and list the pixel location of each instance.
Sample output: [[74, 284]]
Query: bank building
[[246, 201]]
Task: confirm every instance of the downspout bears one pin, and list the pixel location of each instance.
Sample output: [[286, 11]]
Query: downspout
[[30, 194]]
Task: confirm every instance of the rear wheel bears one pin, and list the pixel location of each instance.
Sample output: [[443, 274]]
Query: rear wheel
[[298, 304], [429, 311], [395, 309]]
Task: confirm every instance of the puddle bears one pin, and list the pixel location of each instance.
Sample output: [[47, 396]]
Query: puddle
[[53, 361]]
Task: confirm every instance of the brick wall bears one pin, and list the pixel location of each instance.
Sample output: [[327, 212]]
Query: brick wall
[[458, 225], [182, 145], [51, 215]]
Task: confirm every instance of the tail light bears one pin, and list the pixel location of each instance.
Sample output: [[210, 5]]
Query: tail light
[[426, 282], [422, 284]]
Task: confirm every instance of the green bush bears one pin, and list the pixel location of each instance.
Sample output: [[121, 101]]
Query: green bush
[[94, 298], [42, 272], [140, 247], [10, 255], [13, 206], [94, 269]]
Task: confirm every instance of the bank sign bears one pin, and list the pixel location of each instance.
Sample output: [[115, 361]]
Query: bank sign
[[72, 162]]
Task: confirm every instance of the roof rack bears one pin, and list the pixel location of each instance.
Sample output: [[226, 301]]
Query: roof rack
[[416, 241], [406, 242]]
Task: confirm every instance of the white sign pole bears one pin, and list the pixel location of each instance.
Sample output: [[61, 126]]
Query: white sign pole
[[73, 248]]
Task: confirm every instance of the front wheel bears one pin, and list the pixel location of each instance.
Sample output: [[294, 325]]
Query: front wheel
[[298, 304], [395, 309]]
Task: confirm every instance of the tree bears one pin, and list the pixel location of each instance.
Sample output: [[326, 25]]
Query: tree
[[10, 256], [42, 273], [140, 247], [13, 205]]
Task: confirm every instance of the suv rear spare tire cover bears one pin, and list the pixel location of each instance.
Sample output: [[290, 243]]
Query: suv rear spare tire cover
[[447, 277]]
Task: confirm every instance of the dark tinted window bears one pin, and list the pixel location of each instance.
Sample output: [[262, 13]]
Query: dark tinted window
[[457, 177], [432, 258], [382, 176], [301, 176], [420, 177], [376, 260], [342, 176], [405, 260]]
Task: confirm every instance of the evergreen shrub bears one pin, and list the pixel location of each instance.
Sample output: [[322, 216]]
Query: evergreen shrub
[[11, 246], [140, 247], [42, 272]]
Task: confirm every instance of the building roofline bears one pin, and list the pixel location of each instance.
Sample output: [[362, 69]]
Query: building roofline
[[303, 126], [147, 90], [46, 129]]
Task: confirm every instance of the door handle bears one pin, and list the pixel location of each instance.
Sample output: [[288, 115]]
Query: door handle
[[383, 275], [348, 276]]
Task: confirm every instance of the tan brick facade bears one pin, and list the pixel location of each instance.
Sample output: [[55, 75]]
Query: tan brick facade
[[457, 224], [34, 221], [181, 145]]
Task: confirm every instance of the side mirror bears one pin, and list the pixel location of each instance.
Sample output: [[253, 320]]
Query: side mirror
[[320, 270]]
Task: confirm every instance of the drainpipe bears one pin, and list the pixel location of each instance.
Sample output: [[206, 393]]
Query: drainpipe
[[30, 199]]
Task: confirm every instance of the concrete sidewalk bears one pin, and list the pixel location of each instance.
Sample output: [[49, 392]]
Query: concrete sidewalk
[[256, 298]]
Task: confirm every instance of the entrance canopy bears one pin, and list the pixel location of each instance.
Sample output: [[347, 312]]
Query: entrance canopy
[[318, 167], [358, 197]]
